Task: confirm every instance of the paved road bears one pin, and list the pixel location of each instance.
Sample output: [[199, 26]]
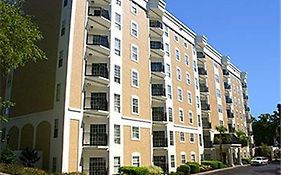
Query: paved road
[[271, 169]]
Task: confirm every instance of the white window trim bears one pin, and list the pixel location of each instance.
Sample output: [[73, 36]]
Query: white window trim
[[189, 92], [135, 97], [183, 153], [176, 36], [180, 137], [133, 45], [134, 22], [192, 153], [180, 89], [190, 112], [135, 154], [132, 84], [136, 6], [176, 49], [180, 109], [188, 83], [193, 138], [177, 73], [132, 138], [186, 57]]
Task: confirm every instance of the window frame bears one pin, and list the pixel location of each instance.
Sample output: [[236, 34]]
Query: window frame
[[135, 107], [132, 133]]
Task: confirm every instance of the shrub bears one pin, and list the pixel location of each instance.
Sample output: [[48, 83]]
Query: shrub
[[154, 170], [215, 164], [246, 160], [131, 170], [194, 167], [177, 173], [8, 156], [204, 168], [29, 157], [185, 169]]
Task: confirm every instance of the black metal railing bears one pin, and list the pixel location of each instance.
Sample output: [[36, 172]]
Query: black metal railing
[[92, 103], [160, 142], [156, 24], [247, 108], [158, 90], [228, 99], [204, 88], [246, 97], [95, 139], [97, 70], [205, 106], [156, 45], [202, 71], [157, 67], [200, 55], [230, 114], [225, 72], [227, 85], [98, 40], [244, 85], [96, 11], [159, 114]]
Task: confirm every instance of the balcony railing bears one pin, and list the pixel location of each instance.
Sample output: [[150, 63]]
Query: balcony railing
[[247, 108], [204, 88], [230, 114], [200, 55], [227, 85], [95, 11], [159, 114], [205, 106], [156, 24], [156, 45], [98, 40], [225, 72], [92, 103], [97, 70], [202, 71], [244, 85], [160, 142], [157, 67], [228, 99], [96, 139], [246, 97], [158, 90]]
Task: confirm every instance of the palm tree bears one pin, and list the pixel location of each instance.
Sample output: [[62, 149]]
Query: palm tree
[[221, 129]]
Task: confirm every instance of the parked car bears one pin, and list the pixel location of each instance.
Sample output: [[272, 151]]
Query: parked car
[[259, 161]]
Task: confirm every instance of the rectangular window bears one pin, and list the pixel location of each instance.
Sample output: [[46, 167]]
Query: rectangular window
[[117, 76], [117, 21], [181, 115], [189, 98], [54, 164], [183, 158], [97, 165], [190, 117], [217, 78], [170, 113], [199, 120], [61, 54], [186, 59], [167, 49], [171, 138], [65, 3], [193, 158], [188, 81], [180, 96], [196, 83], [117, 136], [168, 70], [117, 47], [135, 105], [191, 137], [173, 164], [220, 108], [134, 29], [169, 91], [176, 37], [63, 28], [218, 93], [166, 29], [56, 128], [182, 138], [195, 66], [200, 140], [134, 8], [58, 92], [117, 107], [117, 164], [134, 53], [177, 55], [178, 74], [185, 44], [197, 101], [135, 133], [135, 78], [136, 161]]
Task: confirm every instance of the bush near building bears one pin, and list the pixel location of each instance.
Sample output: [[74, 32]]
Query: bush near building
[[246, 161], [150, 170], [215, 164], [194, 167]]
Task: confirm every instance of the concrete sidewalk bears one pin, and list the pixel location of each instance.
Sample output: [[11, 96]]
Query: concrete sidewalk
[[223, 169]]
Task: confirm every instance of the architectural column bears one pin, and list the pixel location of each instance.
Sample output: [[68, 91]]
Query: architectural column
[[239, 156], [230, 157]]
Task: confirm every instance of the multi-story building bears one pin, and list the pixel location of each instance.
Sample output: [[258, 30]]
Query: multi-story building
[[125, 83]]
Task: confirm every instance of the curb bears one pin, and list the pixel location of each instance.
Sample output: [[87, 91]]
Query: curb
[[219, 170]]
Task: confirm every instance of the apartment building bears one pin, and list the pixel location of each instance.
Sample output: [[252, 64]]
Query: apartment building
[[125, 83]]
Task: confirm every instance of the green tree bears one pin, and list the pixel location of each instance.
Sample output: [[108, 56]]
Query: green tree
[[8, 156], [243, 138], [221, 129]]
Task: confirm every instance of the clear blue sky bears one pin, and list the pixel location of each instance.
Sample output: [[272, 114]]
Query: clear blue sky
[[246, 30]]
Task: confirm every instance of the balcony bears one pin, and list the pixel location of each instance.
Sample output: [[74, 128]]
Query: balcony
[[206, 124], [204, 88], [228, 99], [96, 104], [227, 86], [246, 97], [159, 139], [98, 45], [158, 92], [99, 18], [95, 139], [157, 49], [158, 70], [101, 2], [202, 71], [205, 106], [226, 72], [244, 85], [247, 109], [201, 56], [157, 8], [230, 114], [156, 28], [97, 73], [159, 114]]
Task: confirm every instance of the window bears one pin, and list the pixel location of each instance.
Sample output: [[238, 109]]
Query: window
[[190, 117], [117, 164], [199, 120], [218, 93], [58, 92], [169, 91], [117, 21], [134, 8], [135, 133], [188, 81], [221, 123], [177, 55], [117, 136], [189, 98], [61, 54], [195, 66], [200, 140], [181, 115], [166, 29], [217, 78], [185, 43], [173, 164], [117, 74], [134, 29], [118, 2], [191, 137], [54, 164], [197, 101], [65, 3], [196, 83], [56, 128], [182, 138], [186, 59], [117, 47], [136, 161], [135, 105], [171, 138], [63, 28], [167, 49], [183, 158], [176, 37], [193, 157], [180, 94], [117, 107], [135, 78], [170, 113], [215, 65], [178, 74], [168, 70], [134, 53], [220, 108]]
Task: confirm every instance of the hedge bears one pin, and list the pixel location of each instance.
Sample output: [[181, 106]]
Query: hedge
[[185, 169], [131, 170], [246, 160], [215, 164], [194, 167]]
